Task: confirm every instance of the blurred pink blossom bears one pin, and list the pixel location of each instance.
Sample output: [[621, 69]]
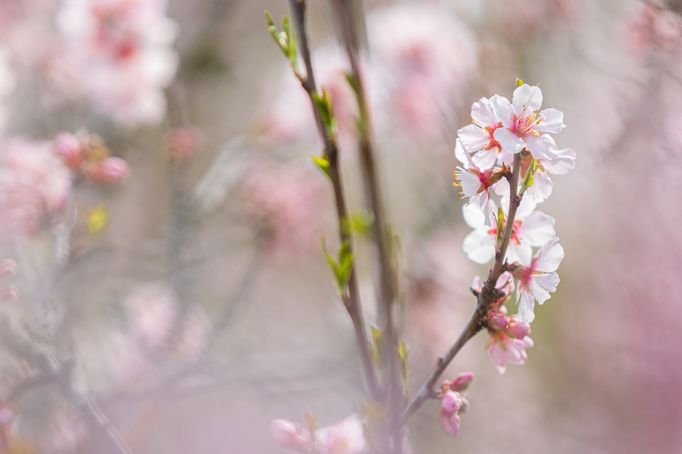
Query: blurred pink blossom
[[66, 433], [122, 51], [34, 185], [344, 437], [109, 171], [184, 142], [653, 27], [287, 202], [152, 311]]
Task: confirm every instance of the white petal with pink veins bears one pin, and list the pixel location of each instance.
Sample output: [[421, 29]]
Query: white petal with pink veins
[[469, 182], [549, 257], [473, 138], [482, 113], [544, 284], [526, 305], [537, 229], [551, 120], [541, 188], [503, 109], [527, 97], [561, 163], [474, 216], [479, 246], [509, 141], [485, 159], [519, 253], [461, 154], [541, 147]]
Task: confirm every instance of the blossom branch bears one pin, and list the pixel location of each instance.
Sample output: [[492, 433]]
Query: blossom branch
[[488, 295], [351, 298]]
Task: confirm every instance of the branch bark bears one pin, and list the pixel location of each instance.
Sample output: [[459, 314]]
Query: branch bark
[[331, 153], [488, 295]]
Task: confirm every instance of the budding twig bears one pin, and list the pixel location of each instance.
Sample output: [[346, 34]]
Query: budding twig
[[353, 304], [485, 298]]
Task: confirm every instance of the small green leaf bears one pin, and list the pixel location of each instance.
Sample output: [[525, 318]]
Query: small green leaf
[[342, 267], [519, 82], [323, 104], [403, 354], [359, 223], [322, 163], [500, 224], [529, 179]]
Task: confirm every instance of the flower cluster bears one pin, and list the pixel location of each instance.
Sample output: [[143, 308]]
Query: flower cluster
[[121, 51], [344, 437], [86, 154], [511, 142], [452, 404]]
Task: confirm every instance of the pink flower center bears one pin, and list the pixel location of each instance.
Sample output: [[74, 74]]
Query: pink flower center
[[516, 226], [523, 126], [492, 143], [527, 274]]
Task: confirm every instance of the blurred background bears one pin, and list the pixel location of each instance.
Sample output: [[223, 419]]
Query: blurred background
[[163, 284]]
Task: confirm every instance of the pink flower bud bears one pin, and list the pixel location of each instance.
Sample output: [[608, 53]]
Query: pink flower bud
[[68, 148], [497, 321], [110, 170], [450, 423], [184, 142], [462, 381], [287, 434], [518, 329], [450, 402]]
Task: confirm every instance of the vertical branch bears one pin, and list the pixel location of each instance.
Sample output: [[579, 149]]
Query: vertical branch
[[352, 298], [388, 292], [488, 295]]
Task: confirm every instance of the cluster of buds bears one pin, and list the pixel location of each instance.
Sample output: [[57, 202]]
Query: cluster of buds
[[87, 155], [344, 437], [506, 158], [452, 403]]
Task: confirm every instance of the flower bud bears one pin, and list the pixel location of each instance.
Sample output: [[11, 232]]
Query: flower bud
[[450, 423], [497, 321], [518, 329], [68, 148], [462, 381], [110, 170], [451, 402]]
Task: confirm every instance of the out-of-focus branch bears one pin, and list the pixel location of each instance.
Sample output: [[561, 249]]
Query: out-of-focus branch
[[349, 33], [488, 295], [331, 153]]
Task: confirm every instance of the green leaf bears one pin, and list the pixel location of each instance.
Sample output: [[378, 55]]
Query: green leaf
[[500, 224], [323, 104], [285, 39], [403, 354], [519, 82], [342, 267], [322, 163], [529, 179], [359, 223]]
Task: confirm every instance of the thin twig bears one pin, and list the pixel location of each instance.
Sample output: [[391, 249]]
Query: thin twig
[[331, 152], [488, 295]]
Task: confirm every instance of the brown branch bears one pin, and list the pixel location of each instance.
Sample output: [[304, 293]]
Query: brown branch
[[331, 152], [488, 295], [388, 292]]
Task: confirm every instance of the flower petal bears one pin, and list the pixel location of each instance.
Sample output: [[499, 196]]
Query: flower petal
[[551, 120], [509, 141], [479, 246], [527, 97], [549, 257], [473, 138]]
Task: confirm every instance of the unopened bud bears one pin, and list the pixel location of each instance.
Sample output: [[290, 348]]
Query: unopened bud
[[497, 321], [110, 170], [462, 381], [68, 148]]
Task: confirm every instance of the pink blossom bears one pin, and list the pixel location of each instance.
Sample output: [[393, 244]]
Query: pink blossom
[[538, 279], [525, 125], [110, 170], [654, 27], [152, 311], [478, 139], [344, 437], [423, 58], [68, 147], [530, 229], [122, 51], [34, 185], [286, 202], [184, 142], [504, 349], [462, 381]]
